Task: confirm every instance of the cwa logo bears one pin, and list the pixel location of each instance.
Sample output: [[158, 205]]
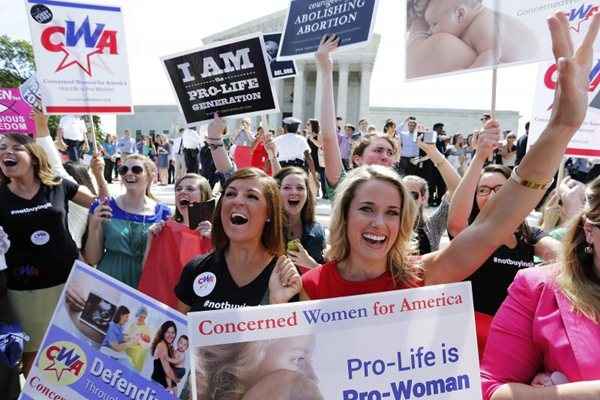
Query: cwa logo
[[550, 78], [578, 16], [78, 42], [63, 363]]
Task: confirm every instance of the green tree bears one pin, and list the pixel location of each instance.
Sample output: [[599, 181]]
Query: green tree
[[16, 61]]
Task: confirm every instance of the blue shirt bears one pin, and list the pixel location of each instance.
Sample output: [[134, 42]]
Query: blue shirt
[[313, 240], [109, 148], [409, 148], [113, 335]]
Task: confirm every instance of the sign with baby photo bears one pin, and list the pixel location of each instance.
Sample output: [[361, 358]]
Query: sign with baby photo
[[229, 78], [309, 20], [108, 341], [468, 35], [586, 142], [415, 343]]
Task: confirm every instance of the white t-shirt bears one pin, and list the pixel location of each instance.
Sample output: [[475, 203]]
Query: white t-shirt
[[73, 127], [191, 139], [291, 146]]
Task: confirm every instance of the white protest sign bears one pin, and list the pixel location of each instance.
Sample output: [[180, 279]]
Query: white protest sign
[[586, 142], [80, 56], [417, 343], [461, 37]]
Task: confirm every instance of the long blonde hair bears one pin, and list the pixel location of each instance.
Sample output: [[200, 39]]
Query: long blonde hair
[[150, 169], [39, 160], [402, 269], [578, 278]]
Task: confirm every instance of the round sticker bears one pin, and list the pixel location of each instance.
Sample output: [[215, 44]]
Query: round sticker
[[205, 283], [40, 238], [41, 13]]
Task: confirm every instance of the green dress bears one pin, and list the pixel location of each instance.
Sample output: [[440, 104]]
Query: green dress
[[125, 237]]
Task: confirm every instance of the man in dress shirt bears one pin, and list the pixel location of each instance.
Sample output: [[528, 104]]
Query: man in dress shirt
[[126, 144], [409, 148], [191, 149]]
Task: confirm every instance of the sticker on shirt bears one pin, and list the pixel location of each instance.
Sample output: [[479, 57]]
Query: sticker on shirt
[[40, 238], [205, 283]]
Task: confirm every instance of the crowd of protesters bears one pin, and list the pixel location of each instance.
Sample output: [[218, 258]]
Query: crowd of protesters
[[394, 194]]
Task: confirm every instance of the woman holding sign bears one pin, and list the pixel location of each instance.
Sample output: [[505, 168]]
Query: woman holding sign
[[371, 234], [35, 204]]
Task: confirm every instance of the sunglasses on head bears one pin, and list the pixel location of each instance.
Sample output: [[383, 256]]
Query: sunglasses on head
[[415, 195], [136, 169]]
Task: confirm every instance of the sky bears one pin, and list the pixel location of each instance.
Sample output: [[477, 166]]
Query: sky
[[157, 28]]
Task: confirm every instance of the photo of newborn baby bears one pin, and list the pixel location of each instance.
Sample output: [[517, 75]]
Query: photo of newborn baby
[[276, 369], [451, 35]]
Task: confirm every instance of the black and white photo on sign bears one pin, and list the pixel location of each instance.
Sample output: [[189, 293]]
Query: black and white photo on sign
[[231, 78], [279, 69]]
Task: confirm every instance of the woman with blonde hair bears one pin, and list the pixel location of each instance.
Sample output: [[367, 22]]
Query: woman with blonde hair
[[547, 332], [373, 214], [118, 226], [35, 204]]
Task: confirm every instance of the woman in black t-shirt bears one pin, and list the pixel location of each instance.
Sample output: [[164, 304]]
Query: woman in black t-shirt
[[247, 267], [34, 215], [491, 281]]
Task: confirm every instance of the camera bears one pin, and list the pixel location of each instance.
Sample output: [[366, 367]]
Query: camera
[[429, 137]]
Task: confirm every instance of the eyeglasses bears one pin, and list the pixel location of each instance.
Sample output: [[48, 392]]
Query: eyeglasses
[[136, 169], [415, 195], [486, 190]]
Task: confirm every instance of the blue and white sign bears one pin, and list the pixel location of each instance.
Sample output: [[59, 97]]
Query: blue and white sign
[[308, 20], [108, 341], [279, 69]]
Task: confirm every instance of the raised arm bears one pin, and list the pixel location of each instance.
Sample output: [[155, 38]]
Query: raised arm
[[526, 187], [449, 174], [328, 134], [462, 201], [215, 143]]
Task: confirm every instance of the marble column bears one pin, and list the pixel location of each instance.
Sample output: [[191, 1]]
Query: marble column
[[275, 118], [342, 96], [299, 88], [365, 89], [318, 95]]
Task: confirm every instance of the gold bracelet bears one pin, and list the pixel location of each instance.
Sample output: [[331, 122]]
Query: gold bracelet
[[514, 176]]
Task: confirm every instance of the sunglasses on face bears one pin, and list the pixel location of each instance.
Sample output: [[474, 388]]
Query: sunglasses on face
[[136, 170], [415, 195]]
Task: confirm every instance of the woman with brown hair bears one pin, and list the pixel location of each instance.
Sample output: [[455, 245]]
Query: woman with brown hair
[[305, 236], [547, 332], [118, 227], [248, 266], [34, 215]]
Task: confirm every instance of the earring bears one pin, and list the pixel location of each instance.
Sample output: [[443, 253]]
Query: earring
[[588, 249], [268, 219]]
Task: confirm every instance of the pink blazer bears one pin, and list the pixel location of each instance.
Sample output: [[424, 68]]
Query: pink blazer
[[536, 330]]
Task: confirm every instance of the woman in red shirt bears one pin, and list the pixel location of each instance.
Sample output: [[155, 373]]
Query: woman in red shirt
[[371, 240]]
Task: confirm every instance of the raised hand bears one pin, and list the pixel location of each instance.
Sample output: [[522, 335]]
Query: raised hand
[[285, 281], [488, 139], [328, 44], [216, 128], [571, 96]]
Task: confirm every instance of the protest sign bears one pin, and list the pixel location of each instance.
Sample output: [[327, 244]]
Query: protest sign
[[461, 36], [107, 341], [586, 142], [80, 56], [417, 343], [31, 93], [231, 78], [308, 20], [15, 113], [279, 69]]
